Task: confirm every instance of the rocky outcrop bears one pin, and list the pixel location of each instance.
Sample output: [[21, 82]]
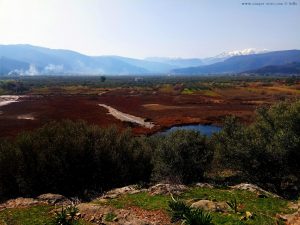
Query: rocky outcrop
[[204, 185], [54, 199], [97, 214], [19, 202], [164, 189], [254, 189], [49, 199], [293, 218], [158, 189], [131, 189]]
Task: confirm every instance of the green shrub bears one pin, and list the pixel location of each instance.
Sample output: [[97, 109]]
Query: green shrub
[[177, 210], [110, 217], [72, 158], [180, 211], [233, 204], [267, 152], [66, 216], [181, 157], [197, 217], [9, 167]]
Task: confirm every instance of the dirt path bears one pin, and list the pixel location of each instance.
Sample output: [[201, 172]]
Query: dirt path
[[7, 99], [127, 117]]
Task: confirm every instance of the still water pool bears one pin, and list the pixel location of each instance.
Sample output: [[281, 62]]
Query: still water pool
[[203, 129]]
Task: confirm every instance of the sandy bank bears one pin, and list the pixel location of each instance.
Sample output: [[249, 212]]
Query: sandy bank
[[127, 117], [8, 99]]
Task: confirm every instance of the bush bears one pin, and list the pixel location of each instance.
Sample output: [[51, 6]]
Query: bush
[[66, 216], [180, 211], [70, 158], [73, 158], [181, 157], [9, 167], [177, 210], [267, 152], [197, 217]]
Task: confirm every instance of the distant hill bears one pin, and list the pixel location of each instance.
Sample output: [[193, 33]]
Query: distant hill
[[177, 62], [243, 63], [56, 61], [34, 60], [290, 68]]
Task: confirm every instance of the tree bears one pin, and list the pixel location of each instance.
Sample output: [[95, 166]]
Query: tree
[[103, 78], [268, 151], [181, 157]]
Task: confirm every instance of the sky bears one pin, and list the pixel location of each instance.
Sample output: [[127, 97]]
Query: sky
[[147, 28]]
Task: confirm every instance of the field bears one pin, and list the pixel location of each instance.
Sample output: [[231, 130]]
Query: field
[[164, 101]]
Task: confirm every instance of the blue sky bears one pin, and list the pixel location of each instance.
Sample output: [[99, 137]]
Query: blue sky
[[142, 28]]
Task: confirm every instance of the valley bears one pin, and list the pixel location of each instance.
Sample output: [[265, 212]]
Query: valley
[[147, 106]]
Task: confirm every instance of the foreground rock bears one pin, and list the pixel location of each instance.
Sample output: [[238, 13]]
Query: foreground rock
[[49, 199], [164, 189], [158, 189], [19, 202], [131, 189], [54, 199], [98, 214], [204, 185], [211, 206], [293, 218], [254, 189]]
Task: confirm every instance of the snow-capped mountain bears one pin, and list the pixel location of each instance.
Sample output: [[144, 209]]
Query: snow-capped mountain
[[225, 55], [247, 51], [274, 62]]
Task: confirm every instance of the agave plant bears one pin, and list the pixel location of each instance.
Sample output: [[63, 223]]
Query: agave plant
[[61, 217], [197, 217], [233, 204], [180, 211], [66, 216]]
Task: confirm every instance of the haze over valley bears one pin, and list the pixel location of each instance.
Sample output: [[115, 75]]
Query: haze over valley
[[32, 60]]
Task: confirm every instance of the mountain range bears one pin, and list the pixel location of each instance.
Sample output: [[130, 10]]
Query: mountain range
[[244, 63], [34, 60], [290, 68]]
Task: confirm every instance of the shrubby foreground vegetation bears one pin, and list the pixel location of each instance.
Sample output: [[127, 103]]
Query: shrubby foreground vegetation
[[73, 158]]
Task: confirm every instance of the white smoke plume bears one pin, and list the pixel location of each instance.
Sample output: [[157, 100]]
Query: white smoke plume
[[32, 71], [51, 68]]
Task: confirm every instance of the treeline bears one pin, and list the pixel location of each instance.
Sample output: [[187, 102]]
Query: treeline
[[12, 87], [73, 158], [21, 84]]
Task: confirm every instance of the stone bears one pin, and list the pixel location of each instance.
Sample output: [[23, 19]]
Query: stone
[[164, 189], [20, 202], [254, 189], [131, 189], [293, 218], [211, 206], [204, 185], [54, 199]]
